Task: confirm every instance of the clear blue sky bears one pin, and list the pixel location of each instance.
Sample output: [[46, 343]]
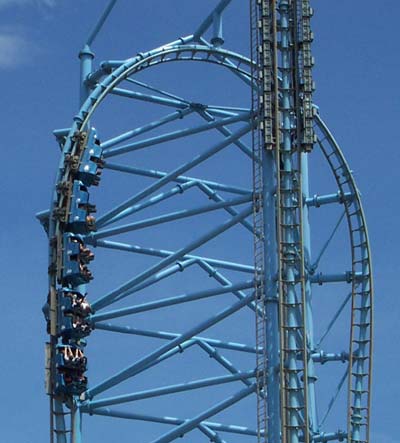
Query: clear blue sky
[[357, 64]]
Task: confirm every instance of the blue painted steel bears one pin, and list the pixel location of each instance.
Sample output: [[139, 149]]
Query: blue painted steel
[[347, 277], [59, 421], [174, 174], [91, 161], [79, 218], [179, 189], [169, 389], [101, 22], [71, 227], [108, 298], [86, 56], [76, 419], [175, 135], [319, 200], [210, 19], [162, 253], [172, 301], [312, 378], [171, 217], [217, 38], [179, 179], [188, 425], [170, 336], [131, 370], [294, 402], [271, 302], [235, 429], [135, 132]]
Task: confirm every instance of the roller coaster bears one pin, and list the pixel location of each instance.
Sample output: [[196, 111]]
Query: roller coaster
[[192, 183]]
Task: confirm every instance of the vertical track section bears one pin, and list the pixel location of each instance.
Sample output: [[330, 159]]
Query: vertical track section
[[280, 42], [67, 308], [296, 139], [259, 14]]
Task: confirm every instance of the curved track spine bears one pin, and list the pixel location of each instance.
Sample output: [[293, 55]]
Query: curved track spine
[[360, 362]]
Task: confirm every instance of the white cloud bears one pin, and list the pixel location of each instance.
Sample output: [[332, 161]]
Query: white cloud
[[15, 51], [39, 3]]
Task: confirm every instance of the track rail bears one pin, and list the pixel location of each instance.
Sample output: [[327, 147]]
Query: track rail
[[260, 26], [289, 216], [361, 334], [76, 143]]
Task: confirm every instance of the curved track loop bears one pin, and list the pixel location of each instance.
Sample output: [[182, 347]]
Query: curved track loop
[[360, 350], [360, 362]]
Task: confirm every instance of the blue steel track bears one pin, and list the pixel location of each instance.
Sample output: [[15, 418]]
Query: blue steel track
[[277, 371]]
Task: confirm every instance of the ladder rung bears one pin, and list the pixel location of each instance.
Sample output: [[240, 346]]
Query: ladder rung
[[357, 357], [361, 228], [338, 167], [293, 371], [58, 414], [290, 207], [362, 293], [290, 243], [363, 260], [289, 191], [362, 244], [294, 408]]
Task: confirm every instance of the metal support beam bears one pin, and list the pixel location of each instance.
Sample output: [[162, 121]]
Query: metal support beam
[[234, 429], [167, 390], [320, 200], [178, 189], [166, 253], [180, 133], [232, 346], [344, 277], [173, 174], [170, 301], [210, 19], [180, 179], [176, 115], [108, 298], [188, 425], [133, 369], [165, 218], [101, 22]]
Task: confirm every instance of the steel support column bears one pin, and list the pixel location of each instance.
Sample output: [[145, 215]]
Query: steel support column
[[271, 300], [309, 313]]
